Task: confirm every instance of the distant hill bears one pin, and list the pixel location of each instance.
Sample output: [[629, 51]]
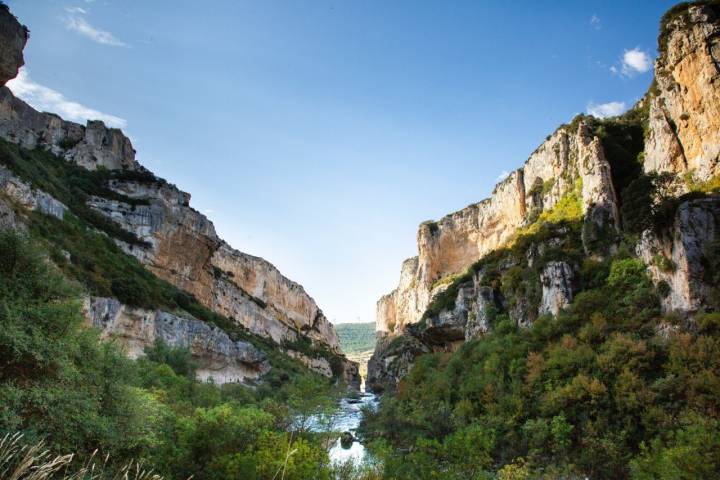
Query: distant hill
[[356, 338], [357, 341]]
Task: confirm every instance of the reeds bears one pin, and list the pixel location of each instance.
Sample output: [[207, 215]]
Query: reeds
[[34, 462]]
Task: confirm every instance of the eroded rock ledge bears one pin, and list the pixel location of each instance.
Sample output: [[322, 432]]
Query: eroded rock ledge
[[219, 358]]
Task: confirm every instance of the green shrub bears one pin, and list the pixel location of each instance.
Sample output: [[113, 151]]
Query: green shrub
[[664, 263]]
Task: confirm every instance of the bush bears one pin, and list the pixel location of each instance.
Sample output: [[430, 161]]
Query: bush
[[179, 359], [56, 380]]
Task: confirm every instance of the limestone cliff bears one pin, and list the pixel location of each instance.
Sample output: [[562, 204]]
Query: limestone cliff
[[175, 242], [91, 146], [676, 258], [684, 121], [448, 293], [183, 248], [570, 162]]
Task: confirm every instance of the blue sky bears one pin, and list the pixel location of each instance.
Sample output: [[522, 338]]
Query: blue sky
[[319, 134]]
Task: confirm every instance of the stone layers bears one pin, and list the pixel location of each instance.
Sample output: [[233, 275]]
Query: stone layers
[[219, 358], [184, 249], [91, 146]]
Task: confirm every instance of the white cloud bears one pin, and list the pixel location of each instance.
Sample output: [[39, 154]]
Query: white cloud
[[46, 99], [77, 23], [603, 110], [503, 175], [635, 61], [595, 22], [79, 10]]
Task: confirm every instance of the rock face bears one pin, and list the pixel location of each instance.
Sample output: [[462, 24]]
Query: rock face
[[678, 257], [471, 316], [13, 38], [557, 288], [684, 126], [185, 250], [386, 370], [220, 358], [91, 146], [25, 196], [179, 245], [570, 162]]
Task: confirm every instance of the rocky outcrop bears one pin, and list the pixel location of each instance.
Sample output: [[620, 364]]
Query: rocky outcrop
[[448, 327], [684, 125], [184, 249], [471, 316], [398, 354], [557, 287], [317, 364], [479, 320], [678, 258], [91, 146], [218, 357], [23, 195], [351, 375], [13, 38]]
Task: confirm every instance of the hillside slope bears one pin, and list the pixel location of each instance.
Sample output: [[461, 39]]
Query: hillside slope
[[357, 341]]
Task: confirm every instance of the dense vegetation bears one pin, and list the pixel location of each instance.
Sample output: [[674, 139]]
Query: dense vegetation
[[356, 338], [599, 390], [59, 383], [610, 388]]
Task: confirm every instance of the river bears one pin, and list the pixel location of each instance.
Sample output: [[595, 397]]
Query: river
[[347, 419]]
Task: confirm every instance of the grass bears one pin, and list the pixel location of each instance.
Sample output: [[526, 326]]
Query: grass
[[19, 461], [446, 280], [711, 185], [567, 209], [71, 185]]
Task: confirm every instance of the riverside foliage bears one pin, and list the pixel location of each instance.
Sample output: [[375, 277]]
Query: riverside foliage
[[60, 384]]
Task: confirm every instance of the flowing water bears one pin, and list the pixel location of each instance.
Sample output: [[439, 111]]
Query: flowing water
[[347, 419]]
